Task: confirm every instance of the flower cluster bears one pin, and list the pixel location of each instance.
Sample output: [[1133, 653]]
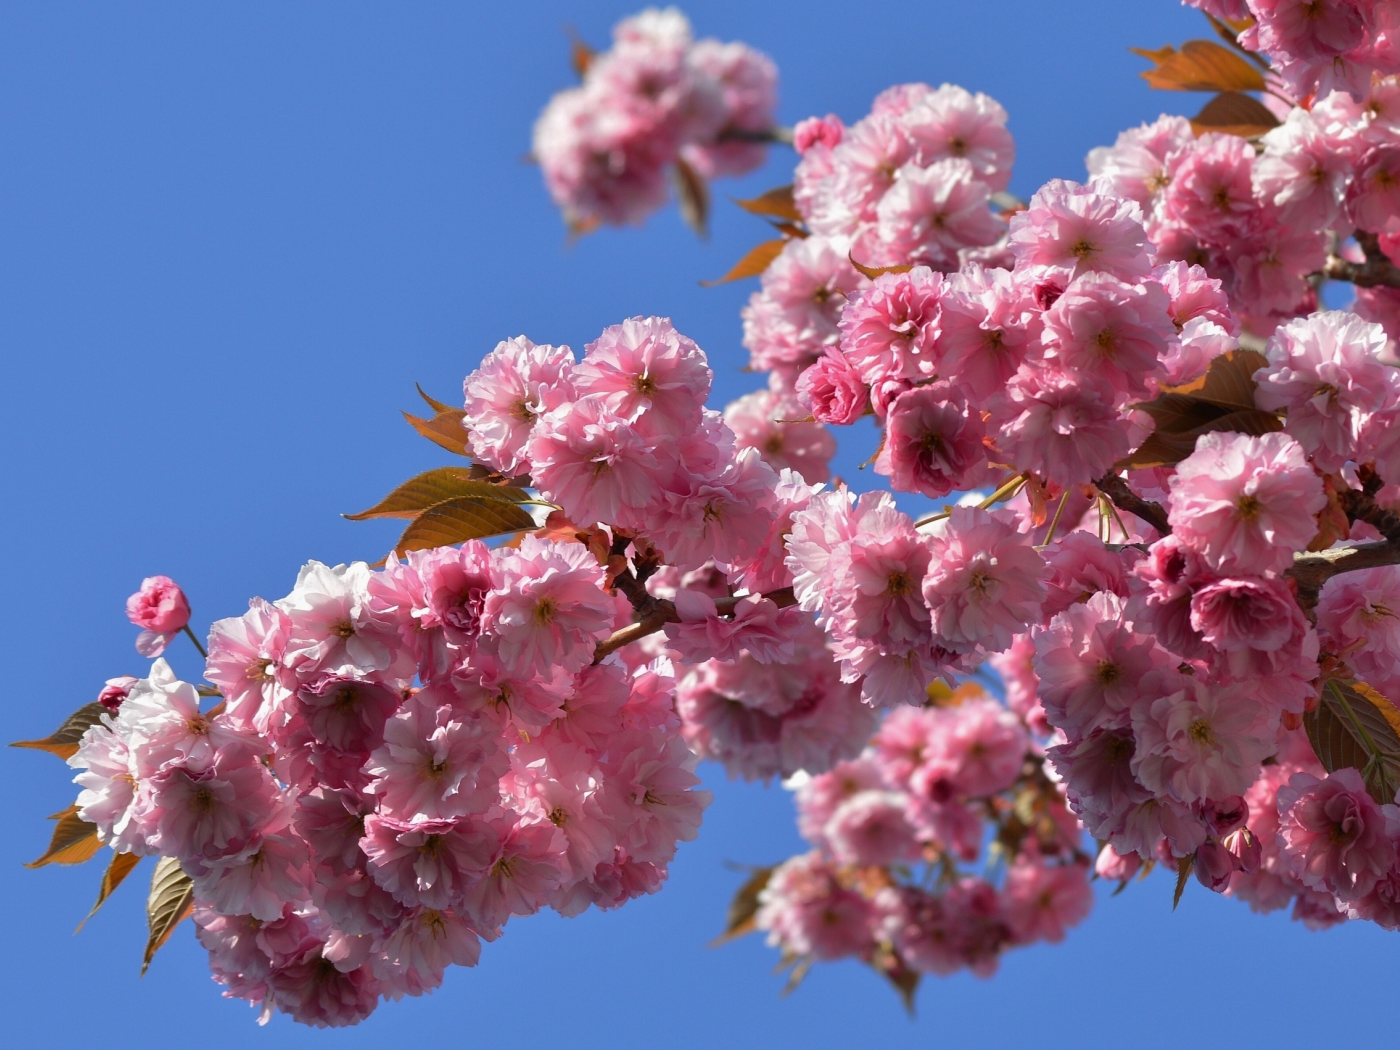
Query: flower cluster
[[658, 98], [1318, 47], [350, 833], [893, 830], [910, 182], [1262, 218]]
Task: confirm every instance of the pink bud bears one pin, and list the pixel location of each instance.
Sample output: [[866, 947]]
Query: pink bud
[[115, 692], [825, 131], [1118, 867], [1244, 844], [1214, 866], [159, 606], [1225, 815]]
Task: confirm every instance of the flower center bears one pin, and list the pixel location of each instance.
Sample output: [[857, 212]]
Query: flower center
[[343, 629], [898, 585], [1249, 508], [1107, 672], [1201, 732], [1082, 248]]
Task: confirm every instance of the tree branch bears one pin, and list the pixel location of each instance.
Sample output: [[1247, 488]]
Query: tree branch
[[1312, 570], [1125, 499], [780, 135], [664, 612], [1376, 271]]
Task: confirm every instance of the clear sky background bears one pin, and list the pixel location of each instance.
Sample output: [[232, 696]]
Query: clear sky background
[[232, 237]]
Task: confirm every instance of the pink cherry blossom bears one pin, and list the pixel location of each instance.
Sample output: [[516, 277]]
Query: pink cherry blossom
[[1041, 901], [1333, 836], [775, 424], [933, 442], [1111, 329], [889, 330], [871, 827], [516, 384], [806, 912], [161, 610], [1062, 425], [1077, 229]]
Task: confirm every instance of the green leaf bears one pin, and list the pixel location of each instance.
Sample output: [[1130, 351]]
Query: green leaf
[[64, 740], [462, 519], [743, 907], [1354, 726], [74, 840], [444, 430], [1200, 65], [694, 197], [777, 202], [170, 902], [116, 873], [433, 487], [758, 259], [1231, 113], [1183, 872]]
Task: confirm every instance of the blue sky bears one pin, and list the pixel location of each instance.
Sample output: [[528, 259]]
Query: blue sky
[[231, 239]]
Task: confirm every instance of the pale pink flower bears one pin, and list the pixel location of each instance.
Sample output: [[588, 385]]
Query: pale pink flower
[[757, 626], [816, 542], [263, 879], [515, 384], [433, 863], [245, 654], [1041, 901], [651, 790], [985, 581], [108, 798], [964, 926], [806, 912], [1063, 426], [1090, 663], [1373, 198], [161, 610], [1195, 295], [1325, 371], [312, 990], [862, 170], [726, 517], [161, 722], [1212, 191], [878, 590], [454, 582], [932, 212], [933, 442], [872, 828], [532, 696], [1160, 826], [774, 424], [643, 369], [438, 760], [562, 782], [1139, 164], [550, 607], [1081, 565], [1246, 504], [1076, 228], [528, 866], [889, 330], [1016, 666], [978, 746], [1198, 741], [818, 797], [346, 715], [331, 630], [209, 811], [951, 122], [1360, 614], [1301, 172], [794, 316], [1334, 837], [426, 942], [747, 81], [988, 324], [1110, 329], [1115, 866], [332, 822], [593, 463]]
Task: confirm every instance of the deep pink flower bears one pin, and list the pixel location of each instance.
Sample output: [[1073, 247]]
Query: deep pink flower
[[1212, 192], [1246, 613], [210, 811], [1062, 426], [1333, 835], [1041, 901], [988, 324], [933, 442], [1110, 329], [930, 213], [833, 390], [889, 330], [978, 747], [806, 912], [528, 866], [432, 863], [643, 369]]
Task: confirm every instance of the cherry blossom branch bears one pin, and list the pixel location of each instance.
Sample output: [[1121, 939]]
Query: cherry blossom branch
[[1377, 270], [664, 612], [780, 135], [1125, 499], [1312, 570]]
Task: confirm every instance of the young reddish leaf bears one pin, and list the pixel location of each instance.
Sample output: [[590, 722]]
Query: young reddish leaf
[[121, 866], [694, 197], [580, 54], [170, 902], [63, 741], [462, 519], [1166, 447], [433, 403], [1200, 65], [743, 907], [790, 230], [1183, 872], [74, 840], [1234, 114], [875, 271], [776, 202], [1228, 382], [444, 430], [754, 263], [433, 487], [1354, 726], [889, 965]]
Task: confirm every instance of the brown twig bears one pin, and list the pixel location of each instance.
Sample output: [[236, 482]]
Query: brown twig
[[664, 612], [1376, 271], [1125, 499], [779, 135], [1312, 570]]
